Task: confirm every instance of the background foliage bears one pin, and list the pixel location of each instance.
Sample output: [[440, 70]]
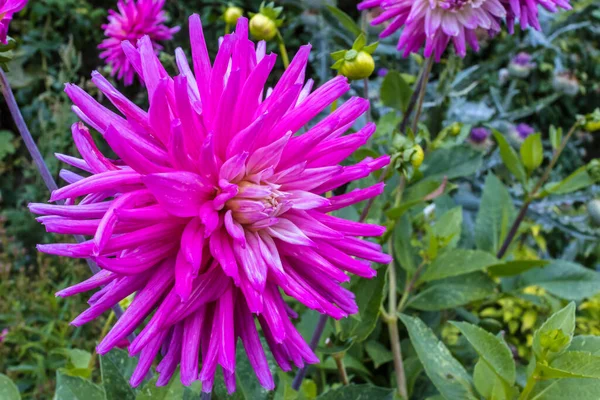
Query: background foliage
[[455, 213]]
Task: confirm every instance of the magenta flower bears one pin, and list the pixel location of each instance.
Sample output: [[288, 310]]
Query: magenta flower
[[135, 19], [526, 11], [7, 9], [215, 208], [437, 22], [479, 135]]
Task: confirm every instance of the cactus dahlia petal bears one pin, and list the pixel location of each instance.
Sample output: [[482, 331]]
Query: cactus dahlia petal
[[215, 208], [526, 11], [134, 20], [7, 9], [436, 23]]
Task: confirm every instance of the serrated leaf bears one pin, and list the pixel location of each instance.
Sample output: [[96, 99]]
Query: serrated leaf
[[448, 375], [76, 388], [117, 368], [510, 157], [345, 20], [8, 390], [457, 262], [496, 214], [395, 92], [512, 268], [454, 292], [532, 151], [563, 320], [358, 392], [491, 349]]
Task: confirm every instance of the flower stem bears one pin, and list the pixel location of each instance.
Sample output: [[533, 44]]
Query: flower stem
[[420, 87], [422, 90], [283, 50], [531, 196], [531, 382], [314, 342], [41, 164], [339, 361], [366, 95]]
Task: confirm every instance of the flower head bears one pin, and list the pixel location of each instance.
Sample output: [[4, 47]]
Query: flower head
[[7, 9], [134, 20], [521, 65], [437, 22], [526, 11], [479, 135], [215, 208]]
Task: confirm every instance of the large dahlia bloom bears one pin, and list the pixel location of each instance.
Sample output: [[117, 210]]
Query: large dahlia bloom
[[7, 9], [526, 11], [135, 19], [436, 23], [215, 209]]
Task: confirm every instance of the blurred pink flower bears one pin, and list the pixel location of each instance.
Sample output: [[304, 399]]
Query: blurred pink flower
[[216, 208], [3, 334], [135, 19], [7, 9], [526, 11], [436, 23]]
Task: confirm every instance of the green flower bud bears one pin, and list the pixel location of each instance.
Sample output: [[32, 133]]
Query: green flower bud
[[593, 168], [554, 340], [594, 211], [262, 27], [455, 128], [417, 157], [232, 14], [357, 65]]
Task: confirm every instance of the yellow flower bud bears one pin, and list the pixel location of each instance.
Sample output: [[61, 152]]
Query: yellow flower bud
[[232, 14], [455, 129], [417, 157], [357, 65], [262, 27]]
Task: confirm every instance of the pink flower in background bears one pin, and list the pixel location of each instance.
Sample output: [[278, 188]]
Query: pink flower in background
[[7, 9], [135, 19], [216, 208], [526, 11], [436, 23], [3, 334]]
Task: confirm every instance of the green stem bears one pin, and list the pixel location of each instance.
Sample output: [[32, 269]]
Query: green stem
[[105, 329], [530, 385], [423, 89], [283, 50], [339, 361], [227, 28]]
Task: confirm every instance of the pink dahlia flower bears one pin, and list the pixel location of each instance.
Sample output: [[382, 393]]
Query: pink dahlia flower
[[437, 22], [526, 11], [7, 9], [135, 19], [214, 208]]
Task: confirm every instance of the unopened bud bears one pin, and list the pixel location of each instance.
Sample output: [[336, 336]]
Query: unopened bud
[[262, 27], [232, 14], [417, 157], [554, 340], [357, 65]]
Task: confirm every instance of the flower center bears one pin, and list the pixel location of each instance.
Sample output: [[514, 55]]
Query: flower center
[[457, 5], [258, 204]]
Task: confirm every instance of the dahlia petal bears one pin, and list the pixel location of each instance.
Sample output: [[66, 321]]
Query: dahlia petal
[[181, 193]]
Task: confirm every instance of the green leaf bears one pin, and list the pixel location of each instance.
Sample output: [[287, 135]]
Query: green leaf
[[489, 384], [572, 364], [369, 296], [449, 226], [532, 151], [6, 144], [448, 375], [556, 136], [452, 163], [578, 180], [496, 214], [567, 389], [173, 391], [587, 343], [510, 157], [395, 92], [76, 388], [358, 392], [345, 20], [8, 390], [456, 262], [117, 368], [404, 252], [491, 349], [563, 320], [360, 42], [512, 268], [378, 353], [567, 280], [78, 364], [454, 292]]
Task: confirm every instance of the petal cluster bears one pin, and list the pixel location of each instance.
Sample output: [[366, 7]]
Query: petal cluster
[[7, 9], [134, 20], [527, 11], [435, 24], [215, 208]]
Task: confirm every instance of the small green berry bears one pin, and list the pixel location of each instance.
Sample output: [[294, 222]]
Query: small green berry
[[262, 27]]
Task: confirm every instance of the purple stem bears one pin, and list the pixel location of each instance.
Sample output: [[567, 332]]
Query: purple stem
[[41, 165], [314, 342]]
